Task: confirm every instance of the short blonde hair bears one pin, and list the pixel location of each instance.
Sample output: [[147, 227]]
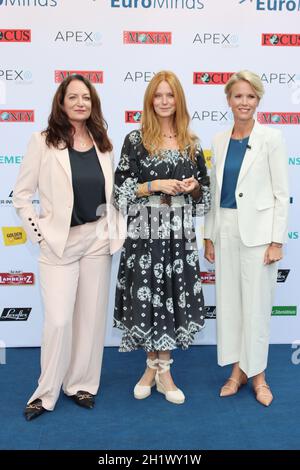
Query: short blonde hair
[[252, 78]]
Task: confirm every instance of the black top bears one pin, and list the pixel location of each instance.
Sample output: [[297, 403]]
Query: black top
[[88, 185]]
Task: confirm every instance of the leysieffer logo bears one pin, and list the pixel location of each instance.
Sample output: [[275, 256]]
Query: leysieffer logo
[[28, 3], [162, 4]]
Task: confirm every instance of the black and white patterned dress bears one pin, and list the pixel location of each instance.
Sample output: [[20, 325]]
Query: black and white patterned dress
[[159, 301]]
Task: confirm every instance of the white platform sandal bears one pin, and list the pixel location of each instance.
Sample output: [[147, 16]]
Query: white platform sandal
[[143, 391], [173, 396]]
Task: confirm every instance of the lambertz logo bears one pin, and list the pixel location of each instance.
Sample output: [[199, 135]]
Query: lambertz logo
[[13, 236], [280, 40], [28, 3], [284, 311], [216, 39], [16, 279], [19, 76], [147, 37], [207, 277], [167, 4], [15, 35], [211, 78], [94, 76], [16, 115], [133, 116], [210, 312], [11, 159], [85, 37], [282, 275], [15, 314], [274, 5], [278, 118]]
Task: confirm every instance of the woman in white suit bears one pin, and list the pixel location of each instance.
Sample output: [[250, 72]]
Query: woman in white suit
[[244, 233], [71, 165]]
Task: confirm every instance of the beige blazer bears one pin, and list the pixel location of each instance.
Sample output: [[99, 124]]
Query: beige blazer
[[262, 188], [48, 170]]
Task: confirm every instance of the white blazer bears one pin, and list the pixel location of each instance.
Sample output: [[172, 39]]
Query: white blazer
[[49, 171], [262, 188]]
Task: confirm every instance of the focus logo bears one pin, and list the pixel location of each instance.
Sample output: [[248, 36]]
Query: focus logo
[[16, 279], [133, 116], [94, 76], [15, 35], [208, 277], [210, 312], [278, 118], [147, 37], [279, 40], [282, 275], [15, 314], [211, 78], [285, 311], [16, 115], [14, 236]]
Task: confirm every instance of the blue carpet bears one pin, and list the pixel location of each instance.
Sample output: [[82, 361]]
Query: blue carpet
[[118, 421]]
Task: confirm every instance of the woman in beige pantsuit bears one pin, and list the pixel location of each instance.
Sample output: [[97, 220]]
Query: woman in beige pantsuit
[[71, 165], [244, 234]]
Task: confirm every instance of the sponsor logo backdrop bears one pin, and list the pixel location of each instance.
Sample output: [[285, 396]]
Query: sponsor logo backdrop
[[120, 45]]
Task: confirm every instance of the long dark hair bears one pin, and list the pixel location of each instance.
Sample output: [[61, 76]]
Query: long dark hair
[[60, 130]]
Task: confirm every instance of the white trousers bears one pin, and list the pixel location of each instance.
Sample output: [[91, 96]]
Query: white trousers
[[75, 291], [244, 298]]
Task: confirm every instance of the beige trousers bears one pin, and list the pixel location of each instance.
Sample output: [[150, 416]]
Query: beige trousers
[[75, 290], [244, 297]]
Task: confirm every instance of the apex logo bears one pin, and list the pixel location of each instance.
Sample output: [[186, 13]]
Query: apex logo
[[79, 36], [15, 314], [17, 279], [278, 118], [15, 35], [94, 76], [133, 116], [282, 275], [280, 40], [16, 115], [211, 78], [15, 75], [147, 37]]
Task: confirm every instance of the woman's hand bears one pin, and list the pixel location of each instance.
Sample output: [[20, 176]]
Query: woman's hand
[[272, 254], [171, 187], [188, 185], [209, 251]]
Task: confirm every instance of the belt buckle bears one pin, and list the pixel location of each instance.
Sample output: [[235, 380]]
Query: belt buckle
[[166, 199]]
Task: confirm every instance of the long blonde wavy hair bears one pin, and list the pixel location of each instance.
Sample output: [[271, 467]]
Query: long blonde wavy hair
[[150, 126]]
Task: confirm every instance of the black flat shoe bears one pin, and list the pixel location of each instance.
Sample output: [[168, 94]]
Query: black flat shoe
[[34, 409], [85, 399]]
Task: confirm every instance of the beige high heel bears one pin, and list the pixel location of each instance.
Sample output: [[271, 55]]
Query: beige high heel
[[232, 386], [173, 396], [263, 394], [143, 391]]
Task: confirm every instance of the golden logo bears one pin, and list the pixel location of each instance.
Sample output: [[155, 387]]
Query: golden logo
[[207, 156], [14, 236]]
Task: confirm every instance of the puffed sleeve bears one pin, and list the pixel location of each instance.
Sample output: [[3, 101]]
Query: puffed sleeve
[[201, 205]]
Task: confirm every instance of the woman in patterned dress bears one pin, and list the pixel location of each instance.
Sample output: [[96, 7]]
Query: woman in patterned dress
[[161, 181]]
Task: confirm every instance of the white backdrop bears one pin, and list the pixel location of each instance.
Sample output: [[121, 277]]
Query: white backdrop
[[206, 38]]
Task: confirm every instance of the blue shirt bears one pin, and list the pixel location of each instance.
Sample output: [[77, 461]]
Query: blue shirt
[[234, 159]]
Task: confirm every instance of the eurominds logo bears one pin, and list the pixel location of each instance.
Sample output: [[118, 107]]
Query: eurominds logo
[[159, 4], [29, 3], [274, 5]]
